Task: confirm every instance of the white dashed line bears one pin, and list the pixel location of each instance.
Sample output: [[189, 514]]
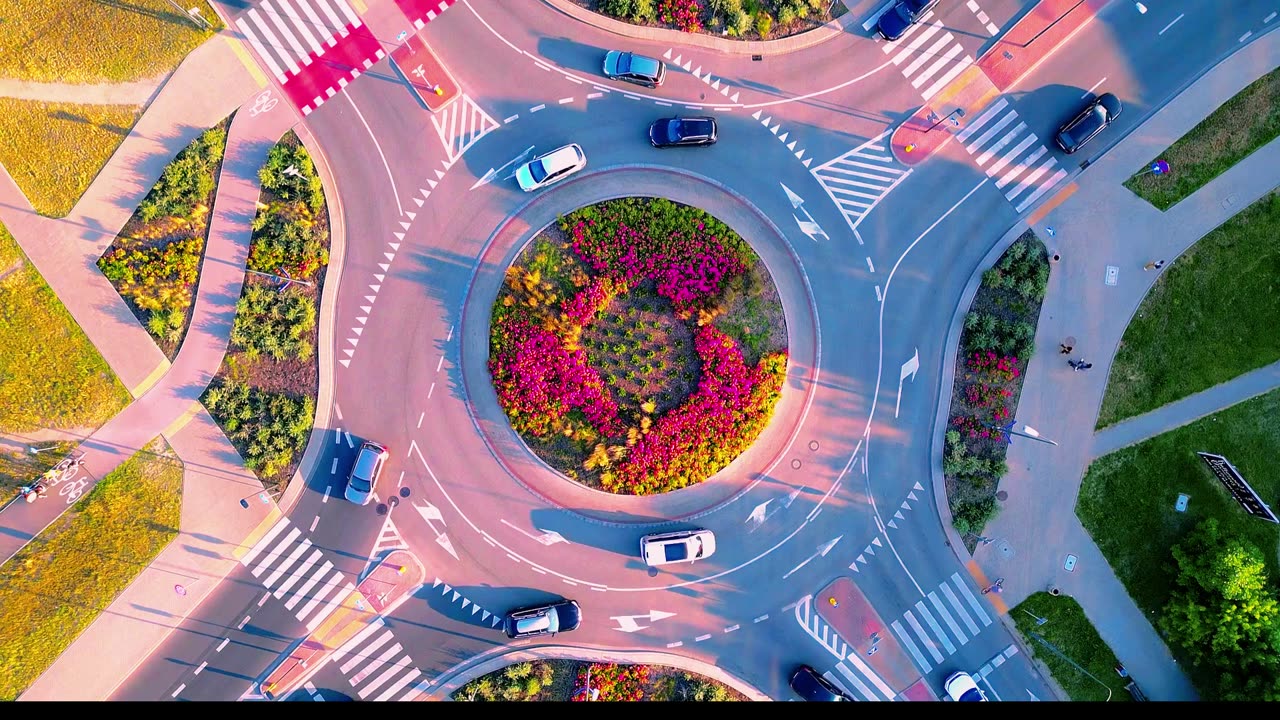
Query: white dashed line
[[538, 570], [420, 419], [315, 521], [700, 638], [562, 101], [333, 469], [593, 96], [762, 618], [1265, 20], [243, 622], [693, 107], [1171, 24], [264, 599], [601, 89], [181, 687], [350, 443], [568, 582], [203, 665], [1089, 92], [870, 266], [325, 499], [513, 118], [431, 390], [659, 102], [536, 108], [633, 97], [675, 644], [599, 589], [731, 628], [1246, 36], [514, 559], [440, 364], [222, 644]]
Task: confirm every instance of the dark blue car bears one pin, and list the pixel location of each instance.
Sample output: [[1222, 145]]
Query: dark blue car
[[899, 18]]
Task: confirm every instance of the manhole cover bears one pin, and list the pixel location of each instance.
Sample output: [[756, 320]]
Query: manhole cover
[[1070, 564], [795, 464], [1002, 496], [813, 445]]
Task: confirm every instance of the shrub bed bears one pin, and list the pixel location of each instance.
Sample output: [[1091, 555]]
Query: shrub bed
[[566, 680], [740, 19], [154, 263], [609, 356], [998, 340], [264, 394]]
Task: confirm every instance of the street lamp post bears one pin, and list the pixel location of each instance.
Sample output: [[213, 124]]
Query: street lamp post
[[264, 497], [1027, 431], [36, 450], [1039, 620], [957, 113]]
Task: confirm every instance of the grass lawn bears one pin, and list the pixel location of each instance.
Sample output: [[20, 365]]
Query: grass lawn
[[54, 588], [1127, 498], [55, 150], [1071, 634], [1211, 317], [1239, 126], [19, 467], [113, 41], [53, 376]]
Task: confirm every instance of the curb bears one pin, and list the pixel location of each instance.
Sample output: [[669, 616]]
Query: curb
[[801, 41], [328, 312], [453, 679]]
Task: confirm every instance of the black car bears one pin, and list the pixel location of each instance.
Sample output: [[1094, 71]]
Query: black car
[[899, 18], [633, 68], [679, 132], [811, 686], [550, 619], [1093, 119]]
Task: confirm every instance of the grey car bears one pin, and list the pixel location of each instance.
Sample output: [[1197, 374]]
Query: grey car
[[1090, 121], [549, 619], [365, 473], [633, 68]]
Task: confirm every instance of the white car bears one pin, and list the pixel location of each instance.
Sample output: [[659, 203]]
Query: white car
[[961, 688], [551, 168], [682, 546], [365, 473]]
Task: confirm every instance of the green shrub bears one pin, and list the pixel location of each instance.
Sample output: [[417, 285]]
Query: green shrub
[[819, 6], [276, 324], [643, 11], [725, 8], [291, 176], [159, 280], [786, 15], [188, 180], [285, 237], [969, 517], [764, 23], [739, 24], [268, 429], [617, 8]]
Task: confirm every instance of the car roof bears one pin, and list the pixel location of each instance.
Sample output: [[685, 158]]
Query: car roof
[[1111, 103], [561, 157], [366, 461], [642, 65]]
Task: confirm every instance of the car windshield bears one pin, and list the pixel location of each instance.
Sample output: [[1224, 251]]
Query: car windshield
[[1088, 125], [624, 64], [675, 130], [359, 483], [972, 695], [905, 12], [541, 623], [538, 170]]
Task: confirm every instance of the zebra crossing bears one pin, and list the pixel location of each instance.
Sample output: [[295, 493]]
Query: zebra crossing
[[460, 125], [312, 47], [858, 179], [378, 667], [951, 604], [851, 674], [290, 567], [1011, 155], [932, 56]]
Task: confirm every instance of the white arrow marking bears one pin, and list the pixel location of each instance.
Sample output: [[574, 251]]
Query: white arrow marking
[[489, 176], [548, 537], [822, 552], [762, 512], [796, 200], [628, 624], [909, 369], [443, 541], [809, 226], [757, 515]]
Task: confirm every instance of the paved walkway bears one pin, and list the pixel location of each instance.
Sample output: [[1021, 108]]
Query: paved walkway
[[212, 522], [139, 92], [1100, 226]]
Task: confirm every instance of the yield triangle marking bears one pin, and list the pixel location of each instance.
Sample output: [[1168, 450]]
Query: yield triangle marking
[[799, 153], [494, 621], [354, 341], [359, 331], [389, 256], [456, 595], [439, 176], [791, 145], [904, 505], [436, 582], [485, 616], [349, 352], [420, 201], [667, 55], [395, 246], [376, 288], [854, 567], [862, 560], [912, 495], [876, 541], [715, 85], [807, 161], [899, 515], [385, 267], [370, 298], [404, 225], [399, 236], [476, 608], [411, 215], [345, 363], [775, 129], [870, 551], [366, 309], [892, 524], [765, 122], [677, 60], [756, 115], [362, 320], [698, 73], [734, 97], [783, 137], [917, 487], [425, 192], [378, 277], [465, 603], [725, 91], [446, 590]]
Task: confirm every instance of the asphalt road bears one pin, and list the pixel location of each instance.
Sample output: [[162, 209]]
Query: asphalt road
[[877, 287]]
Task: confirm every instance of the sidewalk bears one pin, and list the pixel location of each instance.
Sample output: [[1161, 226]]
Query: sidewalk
[[1101, 226], [139, 92]]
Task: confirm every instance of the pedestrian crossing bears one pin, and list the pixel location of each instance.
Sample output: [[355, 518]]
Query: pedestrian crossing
[[378, 668], [951, 617], [1009, 153], [851, 674], [857, 180], [293, 570], [460, 125], [928, 55], [312, 47]]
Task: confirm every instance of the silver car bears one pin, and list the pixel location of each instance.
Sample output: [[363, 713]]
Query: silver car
[[550, 168], [682, 546], [365, 473]]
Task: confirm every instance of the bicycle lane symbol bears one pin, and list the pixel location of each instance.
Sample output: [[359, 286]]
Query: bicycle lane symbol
[[262, 103]]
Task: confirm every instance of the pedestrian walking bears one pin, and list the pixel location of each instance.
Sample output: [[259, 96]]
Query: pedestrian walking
[[1084, 366], [1153, 265], [1075, 364], [1065, 349], [995, 587]]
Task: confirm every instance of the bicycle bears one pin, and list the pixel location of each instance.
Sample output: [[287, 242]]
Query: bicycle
[[996, 587], [73, 490], [66, 469]]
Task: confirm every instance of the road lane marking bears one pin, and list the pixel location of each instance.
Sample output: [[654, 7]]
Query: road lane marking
[[659, 102], [509, 120], [222, 644], [700, 638], [265, 598], [593, 96], [203, 665], [243, 622], [325, 499], [536, 108], [181, 687], [314, 521], [731, 628], [431, 390], [762, 618], [1267, 19], [1245, 36], [1089, 92], [333, 469], [675, 644], [1172, 22], [911, 646], [420, 419]]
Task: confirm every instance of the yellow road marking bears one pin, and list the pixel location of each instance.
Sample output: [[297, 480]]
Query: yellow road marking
[[149, 381], [182, 420], [249, 63], [257, 533], [359, 6], [1053, 202], [996, 598]]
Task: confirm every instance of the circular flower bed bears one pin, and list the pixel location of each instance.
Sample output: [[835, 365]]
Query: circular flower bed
[[639, 346]]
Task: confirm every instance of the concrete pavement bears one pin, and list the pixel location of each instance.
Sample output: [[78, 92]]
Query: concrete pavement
[[139, 92], [1103, 231]]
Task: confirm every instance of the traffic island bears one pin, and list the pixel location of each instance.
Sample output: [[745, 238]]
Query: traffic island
[[843, 606], [390, 583], [421, 68]]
